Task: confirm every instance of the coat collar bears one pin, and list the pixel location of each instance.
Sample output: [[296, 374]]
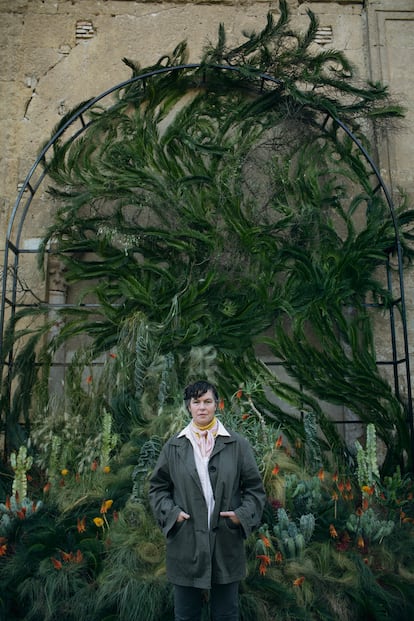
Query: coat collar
[[186, 452]]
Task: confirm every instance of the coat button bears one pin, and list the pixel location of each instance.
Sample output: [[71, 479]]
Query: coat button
[[212, 468]]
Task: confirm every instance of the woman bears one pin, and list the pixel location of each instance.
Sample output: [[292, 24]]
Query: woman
[[207, 496]]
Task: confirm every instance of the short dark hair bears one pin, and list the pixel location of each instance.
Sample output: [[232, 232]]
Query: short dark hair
[[197, 389]]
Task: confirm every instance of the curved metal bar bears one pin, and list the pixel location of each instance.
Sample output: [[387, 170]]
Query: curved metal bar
[[262, 78]]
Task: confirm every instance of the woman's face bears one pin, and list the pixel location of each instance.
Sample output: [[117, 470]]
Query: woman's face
[[203, 409]]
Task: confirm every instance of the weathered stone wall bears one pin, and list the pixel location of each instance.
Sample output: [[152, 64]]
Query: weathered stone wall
[[56, 53]]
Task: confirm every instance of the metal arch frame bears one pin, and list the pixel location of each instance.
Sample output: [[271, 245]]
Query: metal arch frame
[[31, 184]]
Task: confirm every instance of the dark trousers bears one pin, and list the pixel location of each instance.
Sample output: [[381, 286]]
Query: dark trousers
[[224, 602]]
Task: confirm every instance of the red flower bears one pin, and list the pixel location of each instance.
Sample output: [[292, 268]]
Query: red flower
[[275, 470], [56, 563], [264, 562], [278, 557], [332, 531], [89, 379], [81, 525], [265, 540], [321, 474], [3, 549], [245, 416], [279, 442], [299, 581], [239, 394], [221, 404], [112, 355]]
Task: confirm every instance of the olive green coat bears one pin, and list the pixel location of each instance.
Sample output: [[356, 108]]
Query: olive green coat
[[197, 556]]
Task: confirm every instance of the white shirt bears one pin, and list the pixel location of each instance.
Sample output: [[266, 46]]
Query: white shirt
[[202, 464]]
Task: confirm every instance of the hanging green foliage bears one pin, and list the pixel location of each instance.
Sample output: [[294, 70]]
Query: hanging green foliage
[[216, 206]]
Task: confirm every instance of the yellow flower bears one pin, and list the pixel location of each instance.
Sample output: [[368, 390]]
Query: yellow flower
[[64, 472], [107, 504], [98, 522], [106, 469]]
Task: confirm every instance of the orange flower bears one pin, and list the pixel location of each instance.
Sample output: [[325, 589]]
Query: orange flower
[[359, 511], [335, 476], [264, 562], [79, 557], [81, 525], [334, 496], [348, 485], [67, 556], [94, 465], [368, 489], [7, 503], [299, 581], [278, 557], [341, 486], [112, 355], [245, 416], [47, 487], [275, 470], [265, 540], [89, 379], [107, 504], [3, 549], [321, 474], [221, 404], [56, 563], [239, 394], [365, 504], [279, 442], [361, 542], [408, 520], [332, 531]]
